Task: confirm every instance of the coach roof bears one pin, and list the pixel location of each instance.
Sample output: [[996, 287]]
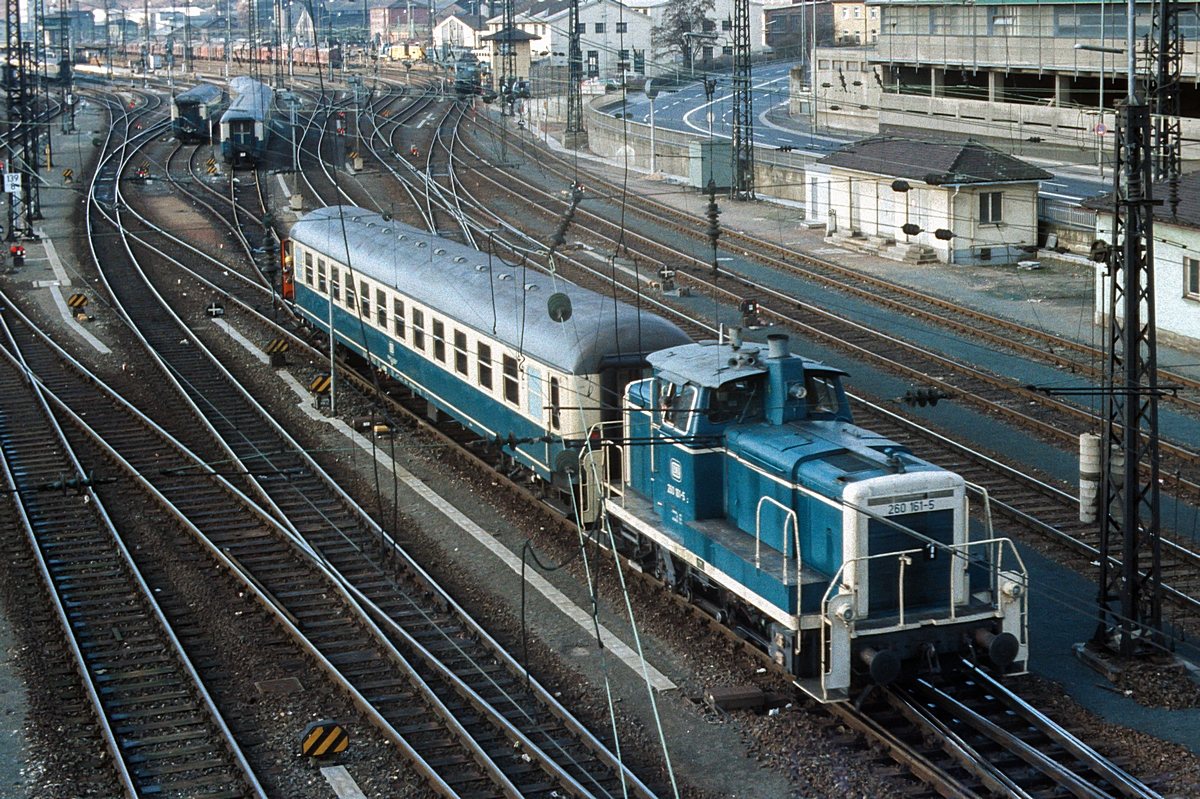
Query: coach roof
[[487, 294], [202, 93]]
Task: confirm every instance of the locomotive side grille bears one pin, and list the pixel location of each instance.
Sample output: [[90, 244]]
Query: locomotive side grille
[[926, 579]]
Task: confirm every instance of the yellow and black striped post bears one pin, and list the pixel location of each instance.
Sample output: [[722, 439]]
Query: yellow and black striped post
[[320, 384], [276, 349], [77, 301], [324, 738], [68, 176]]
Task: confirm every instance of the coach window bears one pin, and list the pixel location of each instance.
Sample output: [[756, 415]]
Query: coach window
[[308, 269], [398, 318], [555, 404], [381, 308], [335, 290], [364, 291], [512, 391], [439, 340], [321, 276], [484, 353], [418, 324], [349, 279], [460, 352]]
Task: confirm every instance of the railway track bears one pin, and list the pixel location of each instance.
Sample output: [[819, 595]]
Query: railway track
[[161, 727], [1132, 794], [523, 743]]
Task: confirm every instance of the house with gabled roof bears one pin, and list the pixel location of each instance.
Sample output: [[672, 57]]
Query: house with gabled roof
[[925, 201]]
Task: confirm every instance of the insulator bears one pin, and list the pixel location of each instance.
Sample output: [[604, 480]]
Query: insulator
[[558, 305]]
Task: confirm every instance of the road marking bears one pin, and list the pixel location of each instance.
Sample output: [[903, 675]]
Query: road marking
[[283, 185], [342, 783], [611, 642]]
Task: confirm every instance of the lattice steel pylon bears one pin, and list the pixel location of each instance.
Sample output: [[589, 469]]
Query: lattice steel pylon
[[19, 140], [1130, 588], [743, 105], [508, 55], [1165, 66], [574, 130]]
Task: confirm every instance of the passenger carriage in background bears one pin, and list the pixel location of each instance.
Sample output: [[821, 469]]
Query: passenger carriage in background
[[246, 124], [732, 472], [197, 111]]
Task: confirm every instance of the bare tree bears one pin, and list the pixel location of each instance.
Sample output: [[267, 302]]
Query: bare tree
[[682, 17]]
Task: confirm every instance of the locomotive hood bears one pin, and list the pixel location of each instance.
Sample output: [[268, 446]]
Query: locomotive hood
[[823, 456]]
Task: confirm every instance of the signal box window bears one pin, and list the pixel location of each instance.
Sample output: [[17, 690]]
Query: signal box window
[[398, 318], [484, 354], [735, 401], [439, 340], [1191, 278], [321, 276], [512, 391], [364, 291], [349, 290], [460, 352], [308, 268], [418, 325], [381, 308], [991, 207]]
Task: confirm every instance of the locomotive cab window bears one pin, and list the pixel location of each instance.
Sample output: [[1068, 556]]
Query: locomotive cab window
[[677, 402], [821, 395], [735, 401]]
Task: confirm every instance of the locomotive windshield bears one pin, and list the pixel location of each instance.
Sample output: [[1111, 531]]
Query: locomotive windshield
[[735, 401]]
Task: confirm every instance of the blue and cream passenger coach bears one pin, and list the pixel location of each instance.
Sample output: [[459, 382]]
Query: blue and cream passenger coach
[[471, 333]]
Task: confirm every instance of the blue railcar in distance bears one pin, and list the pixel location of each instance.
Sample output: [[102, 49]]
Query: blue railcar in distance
[[196, 112], [731, 471], [246, 124]]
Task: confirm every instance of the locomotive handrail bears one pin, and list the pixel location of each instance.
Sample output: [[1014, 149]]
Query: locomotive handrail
[[987, 506], [790, 517], [999, 545]]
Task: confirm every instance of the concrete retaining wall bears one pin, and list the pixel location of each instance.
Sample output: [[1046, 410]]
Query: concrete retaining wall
[[776, 174]]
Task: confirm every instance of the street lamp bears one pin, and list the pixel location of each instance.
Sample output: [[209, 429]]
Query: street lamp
[[689, 36], [1102, 49]]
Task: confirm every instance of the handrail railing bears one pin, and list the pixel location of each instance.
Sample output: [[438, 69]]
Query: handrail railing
[[789, 517]]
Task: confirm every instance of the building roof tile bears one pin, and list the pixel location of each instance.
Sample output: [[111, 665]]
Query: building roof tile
[[934, 162]]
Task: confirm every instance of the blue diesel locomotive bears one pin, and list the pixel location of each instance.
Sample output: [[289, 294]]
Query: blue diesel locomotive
[[195, 112], [734, 473], [246, 125]]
